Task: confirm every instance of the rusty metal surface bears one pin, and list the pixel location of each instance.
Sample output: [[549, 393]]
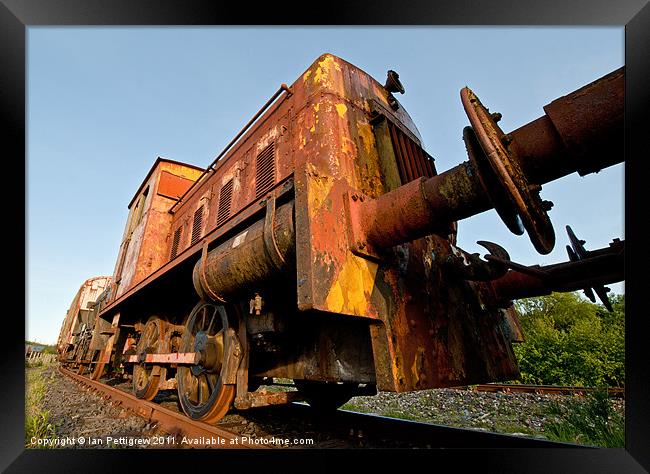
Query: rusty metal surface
[[319, 347], [357, 239], [215, 234], [504, 164], [600, 267], [145, 243], [255, 400], [167, 420], [246, 259], [599, 143], [499, 174], [173, 186], [168, 358], [420, 338], [581, 131]]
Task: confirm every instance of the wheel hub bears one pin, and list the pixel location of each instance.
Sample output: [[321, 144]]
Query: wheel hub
[[211, 350]]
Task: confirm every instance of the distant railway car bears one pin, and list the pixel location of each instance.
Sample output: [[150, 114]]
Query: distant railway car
[[320, 246], [77, 328]]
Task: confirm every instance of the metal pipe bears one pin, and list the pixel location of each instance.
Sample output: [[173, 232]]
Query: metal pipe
[[283, 87], [423, 206], [581, 132], [604, 268], [249, 258]]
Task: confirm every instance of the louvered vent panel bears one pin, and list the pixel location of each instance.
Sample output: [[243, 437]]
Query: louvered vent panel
[[265, 170], [176, 240], [412, 161], [225, 202], [196, 225]]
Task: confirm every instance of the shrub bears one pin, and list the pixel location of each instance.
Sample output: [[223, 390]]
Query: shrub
[[570, 341]]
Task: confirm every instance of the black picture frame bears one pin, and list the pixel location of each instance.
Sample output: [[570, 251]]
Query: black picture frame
[[17, 15]]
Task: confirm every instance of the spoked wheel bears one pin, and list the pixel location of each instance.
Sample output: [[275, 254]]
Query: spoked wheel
[[201, 389], [326, 396], [147, 377]]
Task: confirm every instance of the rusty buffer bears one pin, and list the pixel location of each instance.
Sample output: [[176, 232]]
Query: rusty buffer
[[320, 246]]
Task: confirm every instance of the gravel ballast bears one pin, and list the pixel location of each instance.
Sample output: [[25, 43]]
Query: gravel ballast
[[523, 414], [81, 418]]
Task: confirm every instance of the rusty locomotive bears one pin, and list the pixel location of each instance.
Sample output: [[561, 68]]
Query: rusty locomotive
[[320, 246]]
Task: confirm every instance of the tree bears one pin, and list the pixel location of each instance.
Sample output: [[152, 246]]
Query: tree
[[571, 341]]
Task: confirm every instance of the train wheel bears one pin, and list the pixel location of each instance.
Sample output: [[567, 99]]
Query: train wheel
[[147, 377], [201, 389], [326, 396]]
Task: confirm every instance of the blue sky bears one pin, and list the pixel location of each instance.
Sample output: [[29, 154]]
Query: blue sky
[[104, 102]]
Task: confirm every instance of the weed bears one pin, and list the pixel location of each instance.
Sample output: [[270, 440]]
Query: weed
[[590, 421], [37, 424]]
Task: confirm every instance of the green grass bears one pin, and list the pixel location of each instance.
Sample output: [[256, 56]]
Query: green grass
[[591, 420], [37, 423]]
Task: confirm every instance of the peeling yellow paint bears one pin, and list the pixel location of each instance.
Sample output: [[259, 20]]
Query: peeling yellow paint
[[324, 70], [335, 298], [312, 129], [319, 188], [306, 75], [365, 131], [341, 109], [351, 291], [316, 107], [319, 75]]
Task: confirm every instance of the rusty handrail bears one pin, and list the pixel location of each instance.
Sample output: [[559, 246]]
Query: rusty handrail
[[283, 87]]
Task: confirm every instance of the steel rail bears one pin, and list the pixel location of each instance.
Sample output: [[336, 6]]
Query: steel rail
[[373, 426], [616, 392], [169, 421]]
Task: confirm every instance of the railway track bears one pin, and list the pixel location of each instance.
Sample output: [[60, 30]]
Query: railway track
[[285, 424], [614, 392], [172, 423]]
